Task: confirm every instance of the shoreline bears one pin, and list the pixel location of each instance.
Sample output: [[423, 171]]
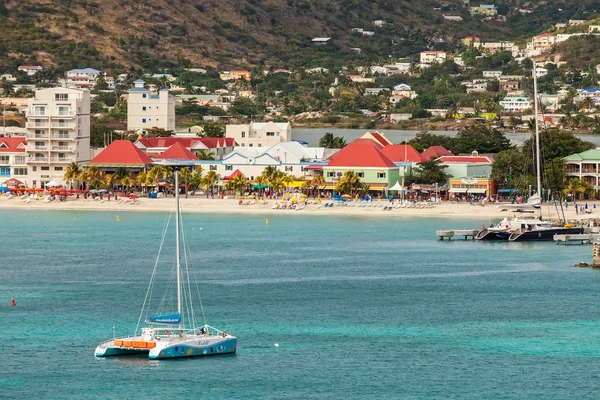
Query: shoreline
[[230, 206]]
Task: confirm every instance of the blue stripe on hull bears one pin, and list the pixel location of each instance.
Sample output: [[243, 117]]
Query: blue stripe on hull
[[225, 347]]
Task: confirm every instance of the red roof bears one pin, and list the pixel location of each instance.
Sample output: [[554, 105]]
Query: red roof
[[361, 153], [235, 173], [122, 153], [178, 152], [435, 152], [402, 153], [166, 142], [11, 144], [465, 159], [382, 140]]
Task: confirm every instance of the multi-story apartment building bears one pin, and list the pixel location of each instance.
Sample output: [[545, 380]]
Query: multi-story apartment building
[[13, 160], [543, 42], [146, 109], [515, 104], [58, 125], [259, 134], [430, 56], [82, 78]]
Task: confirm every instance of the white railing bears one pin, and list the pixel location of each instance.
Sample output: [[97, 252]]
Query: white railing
[[63, 148], [62, 159], [37, 159]]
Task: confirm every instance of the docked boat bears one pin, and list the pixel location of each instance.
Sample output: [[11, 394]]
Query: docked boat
[[168, 334], [542, 232], [505, 228]]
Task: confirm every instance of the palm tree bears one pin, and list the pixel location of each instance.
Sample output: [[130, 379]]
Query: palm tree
[[140, 180], [184, 179], [93, 173], [107, 181], [318, 181], [210, 179], [588, 104], [348, 183], [127, 182], [73, 173], [238, 183], [262, 181], [205, 155], [157, 172], [287, 180], [196, 178], [327, 141]]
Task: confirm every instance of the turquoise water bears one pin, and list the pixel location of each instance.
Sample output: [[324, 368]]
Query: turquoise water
[[361, 308]]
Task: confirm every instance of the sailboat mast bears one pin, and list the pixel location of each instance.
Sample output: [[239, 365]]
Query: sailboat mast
[[537, 140], [178, 258]]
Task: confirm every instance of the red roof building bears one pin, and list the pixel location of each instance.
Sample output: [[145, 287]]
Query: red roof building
[[121, 153], [465, 160], [435, 152], [361, 153], [402, 153], [378, 137], [177, 152], [15, 144], [219, 147], [235, 173]]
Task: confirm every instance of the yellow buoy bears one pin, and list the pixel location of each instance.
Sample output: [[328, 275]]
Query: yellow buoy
[[267, 222], [118, 219]]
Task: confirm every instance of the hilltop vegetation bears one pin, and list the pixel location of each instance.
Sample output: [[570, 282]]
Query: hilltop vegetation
[[154, 34]]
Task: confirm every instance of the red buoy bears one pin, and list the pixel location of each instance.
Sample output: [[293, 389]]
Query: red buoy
[[14, 303]]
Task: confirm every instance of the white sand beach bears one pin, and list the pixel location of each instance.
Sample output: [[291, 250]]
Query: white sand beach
[[199, 204]]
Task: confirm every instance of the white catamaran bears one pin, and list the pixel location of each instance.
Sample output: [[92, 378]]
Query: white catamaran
[[167, 335]]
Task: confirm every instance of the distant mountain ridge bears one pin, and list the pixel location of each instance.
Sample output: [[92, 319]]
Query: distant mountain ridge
[[112, 34]]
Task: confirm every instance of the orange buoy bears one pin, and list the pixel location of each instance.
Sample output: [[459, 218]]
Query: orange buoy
[[14, 303]]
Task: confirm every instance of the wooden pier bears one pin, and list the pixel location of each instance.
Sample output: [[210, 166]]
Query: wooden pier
[[577, 238], [450, 233]]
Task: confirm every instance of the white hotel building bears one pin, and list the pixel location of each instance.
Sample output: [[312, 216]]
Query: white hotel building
[[146, 109], [58, 133]]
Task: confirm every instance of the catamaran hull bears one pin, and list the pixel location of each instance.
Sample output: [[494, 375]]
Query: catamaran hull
[[225, 346], [117, 351], [542, 235], [486, 234]]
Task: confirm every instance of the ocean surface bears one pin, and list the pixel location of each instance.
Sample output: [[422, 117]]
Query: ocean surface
[[312, 135], [360, 308]]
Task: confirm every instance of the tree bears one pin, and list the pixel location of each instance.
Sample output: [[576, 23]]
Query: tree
[[205, 155], [245, 107], [213, 131], [509, 166], [429, 172], [348, 183], [210, 180], [158, 132], [331, 142], [558, 144], [93, 176], [73, 173], [184, 179], [238, 183], [480, 138], [261, 181], [578, 188], [318, 181]]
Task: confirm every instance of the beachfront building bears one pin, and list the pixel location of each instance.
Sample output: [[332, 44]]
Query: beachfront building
[[122, 153], [291, 158], [515, 104], [585, 166], [435, 152], [259, 134], [459, 187], [13, 159], [217, 147], [472, 166], [365, 158], [146, 109], [58, 133]]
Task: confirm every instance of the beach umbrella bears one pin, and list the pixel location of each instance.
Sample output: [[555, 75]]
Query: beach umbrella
[[102, 191], [346, 196], [94, 191], [52, 184]]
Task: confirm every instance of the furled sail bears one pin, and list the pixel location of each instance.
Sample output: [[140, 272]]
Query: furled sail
[[170, 318]]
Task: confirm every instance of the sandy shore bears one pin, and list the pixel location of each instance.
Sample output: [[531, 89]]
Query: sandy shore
[[231, 206]]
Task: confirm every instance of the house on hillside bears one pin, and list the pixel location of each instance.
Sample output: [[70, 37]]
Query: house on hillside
[[322, 41], [30, 70], [82, 78]]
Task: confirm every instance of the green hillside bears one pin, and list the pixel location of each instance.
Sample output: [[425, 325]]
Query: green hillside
[[119, 34]]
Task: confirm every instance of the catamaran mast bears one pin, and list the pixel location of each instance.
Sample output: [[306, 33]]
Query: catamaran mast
[[177, 245], [537, 140]]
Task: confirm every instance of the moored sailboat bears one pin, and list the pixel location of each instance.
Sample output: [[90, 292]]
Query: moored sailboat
[[167, 335]]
